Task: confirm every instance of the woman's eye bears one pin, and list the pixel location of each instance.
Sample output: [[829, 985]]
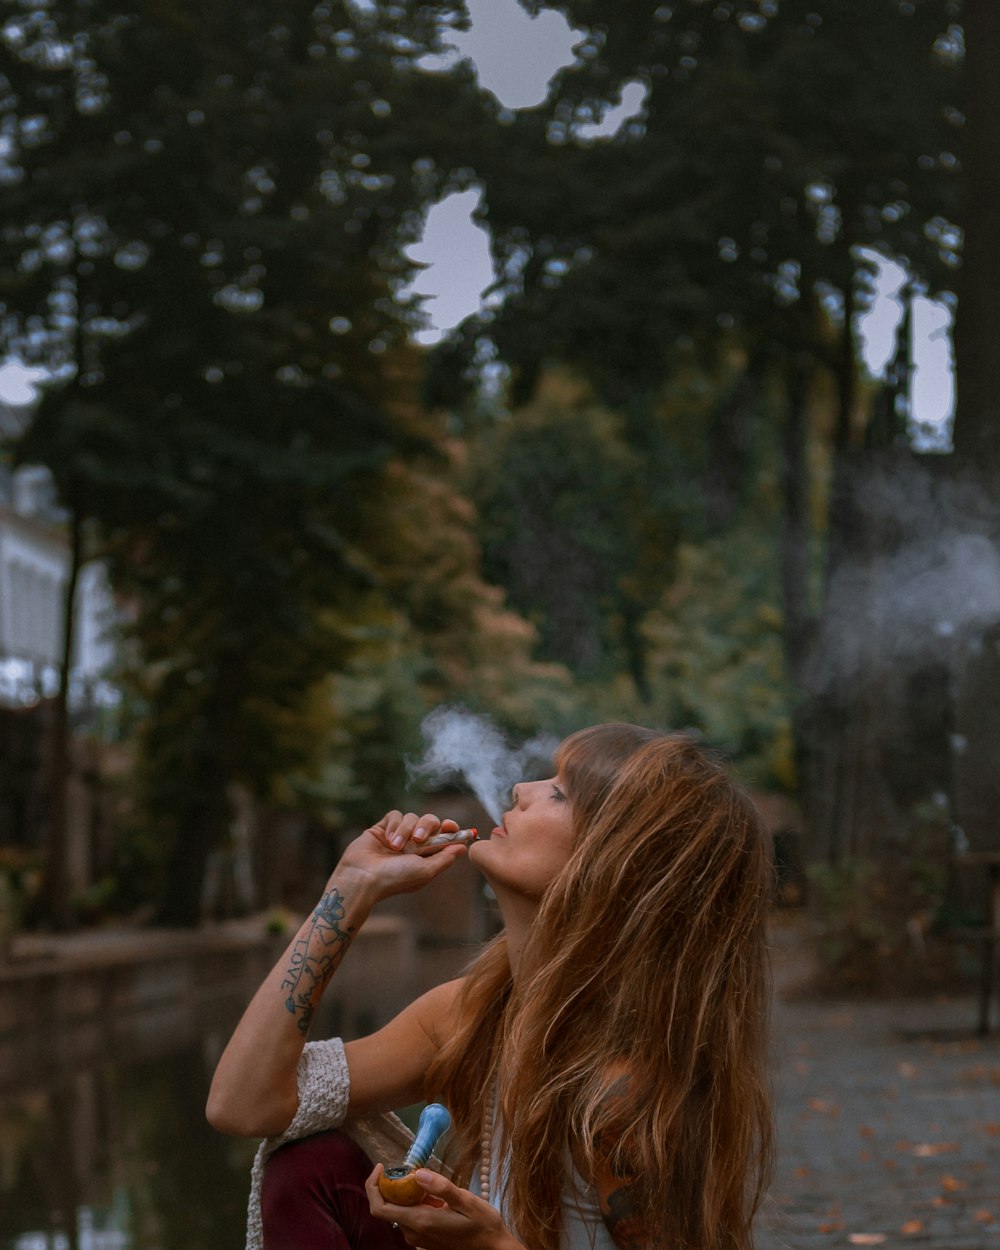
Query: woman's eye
[[558, 795]]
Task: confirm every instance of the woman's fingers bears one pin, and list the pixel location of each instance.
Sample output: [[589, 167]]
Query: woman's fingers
[[375, 1199], [397, 828], [440, 1189], [385, 830]]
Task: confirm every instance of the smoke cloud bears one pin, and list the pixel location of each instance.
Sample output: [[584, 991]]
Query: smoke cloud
[[464, 747], [924, 583], [918, 604]]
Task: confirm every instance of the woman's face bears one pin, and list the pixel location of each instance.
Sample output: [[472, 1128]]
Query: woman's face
[[527, 851]]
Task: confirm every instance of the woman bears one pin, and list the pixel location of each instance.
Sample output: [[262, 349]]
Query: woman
[[603, 1058]]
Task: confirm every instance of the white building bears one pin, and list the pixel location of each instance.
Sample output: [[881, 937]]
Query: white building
[[34, 568]]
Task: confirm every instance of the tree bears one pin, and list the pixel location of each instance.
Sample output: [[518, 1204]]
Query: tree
[[206, 213], [978, 320]]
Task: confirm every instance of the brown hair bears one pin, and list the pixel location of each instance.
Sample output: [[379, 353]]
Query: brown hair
[[647, 956]]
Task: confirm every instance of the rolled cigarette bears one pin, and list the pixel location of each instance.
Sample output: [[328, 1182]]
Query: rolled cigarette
[[437, 840]]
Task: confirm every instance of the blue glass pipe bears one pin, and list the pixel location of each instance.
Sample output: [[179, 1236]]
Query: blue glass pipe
[[434, 1120]]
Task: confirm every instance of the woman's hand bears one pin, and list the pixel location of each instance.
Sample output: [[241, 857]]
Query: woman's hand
[[449, 1218], [379, 855]]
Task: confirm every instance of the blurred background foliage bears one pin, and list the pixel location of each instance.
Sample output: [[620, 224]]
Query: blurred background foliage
[[316, 530]]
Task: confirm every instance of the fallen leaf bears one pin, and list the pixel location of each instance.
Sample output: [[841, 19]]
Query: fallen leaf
[[866, 1130], [912, 1226], [927, 1149], [951, 1184], [864, 1156], [992, 1128], [907, 1069], [831, 1226], [801, 1172], [823, 1108], [983, 1216], [866, 1239]]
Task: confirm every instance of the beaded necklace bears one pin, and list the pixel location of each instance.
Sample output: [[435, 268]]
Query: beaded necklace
[[486, 1150]]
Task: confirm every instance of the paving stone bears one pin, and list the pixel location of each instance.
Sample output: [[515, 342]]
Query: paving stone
[[888, 1120]]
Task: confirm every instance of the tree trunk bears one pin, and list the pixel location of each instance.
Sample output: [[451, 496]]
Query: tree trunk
[[977, 423], [202, 825], [795, 522], [55, 905], [730, 446], [877, 717], [846, 372], [977, 328]]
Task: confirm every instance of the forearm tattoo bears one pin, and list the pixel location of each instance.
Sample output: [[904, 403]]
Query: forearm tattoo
[[315, 958]]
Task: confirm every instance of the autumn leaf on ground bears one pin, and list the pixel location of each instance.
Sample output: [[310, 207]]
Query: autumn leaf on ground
[[912, 1226], [907, 1069], [983, 1216], [823, 1108], [951, 1184], [927, 1149], [833, 1223], [866, 1239]]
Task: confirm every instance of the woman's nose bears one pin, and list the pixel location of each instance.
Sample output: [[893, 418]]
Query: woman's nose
[[517, 801]]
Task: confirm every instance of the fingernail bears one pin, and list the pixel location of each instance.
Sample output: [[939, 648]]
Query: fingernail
[[396, 840], [420, 833], [424, 1176]]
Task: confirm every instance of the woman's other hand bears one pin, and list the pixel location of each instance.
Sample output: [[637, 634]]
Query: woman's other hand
[[449, 1218]]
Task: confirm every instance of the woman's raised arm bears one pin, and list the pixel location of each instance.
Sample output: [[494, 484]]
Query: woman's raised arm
[[254, 1091]]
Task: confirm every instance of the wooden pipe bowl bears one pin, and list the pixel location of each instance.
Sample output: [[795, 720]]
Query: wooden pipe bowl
[[403, 1190]]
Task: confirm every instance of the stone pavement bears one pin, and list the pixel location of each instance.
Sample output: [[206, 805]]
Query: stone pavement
[[888, 1119]]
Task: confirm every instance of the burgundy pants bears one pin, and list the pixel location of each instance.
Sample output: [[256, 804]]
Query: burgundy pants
[[313, 1198]]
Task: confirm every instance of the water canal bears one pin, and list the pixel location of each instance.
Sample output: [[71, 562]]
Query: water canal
[[115, 1153], [103, 1079]]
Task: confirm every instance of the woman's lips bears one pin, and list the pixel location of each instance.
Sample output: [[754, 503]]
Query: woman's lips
[[499, 832]]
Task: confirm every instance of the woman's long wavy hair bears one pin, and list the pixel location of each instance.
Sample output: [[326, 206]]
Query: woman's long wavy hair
[[647, 957]]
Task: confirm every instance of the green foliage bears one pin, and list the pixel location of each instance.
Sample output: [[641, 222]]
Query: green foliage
[[849, 903], [20, 872], [774, 142], [887, 923], [429, 630], [717, 652], [579, 515], [607, 529]]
